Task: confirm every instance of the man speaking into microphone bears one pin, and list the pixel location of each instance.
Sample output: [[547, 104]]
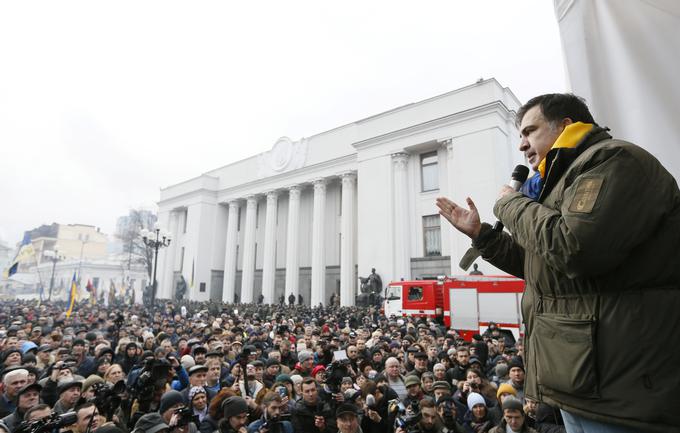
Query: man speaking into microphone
[[595, 233]]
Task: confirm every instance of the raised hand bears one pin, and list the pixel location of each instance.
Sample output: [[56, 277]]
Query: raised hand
[[464, 220]]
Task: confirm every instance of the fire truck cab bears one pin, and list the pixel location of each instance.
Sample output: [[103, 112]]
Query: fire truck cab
[[464, 303]]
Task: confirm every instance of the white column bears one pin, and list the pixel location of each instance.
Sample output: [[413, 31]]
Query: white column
[[318, 244], [230, 253], [248, 275], [292, 242], [347, 259], [166, 256], [269, 262], [402, 261]]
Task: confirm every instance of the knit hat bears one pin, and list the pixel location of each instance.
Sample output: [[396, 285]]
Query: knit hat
[[305, 355], [187, 362], [234, 406], [473, 399], [194, 391], [516, 362], [346, 408], [170, 399], [150, 423], [501, 370], [316, 370], [505, 388], [411, 380], [296, 378], [511, 403], [283, 378]]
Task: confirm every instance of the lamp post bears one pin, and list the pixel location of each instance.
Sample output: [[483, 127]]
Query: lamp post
[[155, 240], [54, 257], [83, 238]]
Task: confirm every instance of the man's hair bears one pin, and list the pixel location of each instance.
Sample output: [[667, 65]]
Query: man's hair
[[271, 397], [307, 381], [15, 374], [36, 408], [426, 402], [558, 106], [85, 405]]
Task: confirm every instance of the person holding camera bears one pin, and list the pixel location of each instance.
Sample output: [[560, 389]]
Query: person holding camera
[[170, 408], [429, 422], [271, 421], [376, 403]]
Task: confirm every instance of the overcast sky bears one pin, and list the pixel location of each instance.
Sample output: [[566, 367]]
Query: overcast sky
[[104, 103]]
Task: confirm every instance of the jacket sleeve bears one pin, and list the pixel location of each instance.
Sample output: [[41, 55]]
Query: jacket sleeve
[[605, 212], [49, 392], [500, 249]]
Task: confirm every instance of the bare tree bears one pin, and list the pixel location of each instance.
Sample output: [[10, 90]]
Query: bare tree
[[128, 232]]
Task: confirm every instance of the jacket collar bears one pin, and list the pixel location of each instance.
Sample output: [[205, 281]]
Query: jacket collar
[[560, 159]]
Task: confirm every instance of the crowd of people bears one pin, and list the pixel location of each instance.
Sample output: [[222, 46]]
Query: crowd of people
[[206, 367]]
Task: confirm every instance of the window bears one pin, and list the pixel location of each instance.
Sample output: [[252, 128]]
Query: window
[[393, 293], [181, 260], [429, 171], [238, 221], [201, 287], [415, 293], [432, 240]]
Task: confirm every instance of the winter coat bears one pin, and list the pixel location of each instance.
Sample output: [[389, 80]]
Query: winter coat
[[599, 253]]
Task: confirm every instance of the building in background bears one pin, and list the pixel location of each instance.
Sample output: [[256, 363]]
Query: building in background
[[311, 215]]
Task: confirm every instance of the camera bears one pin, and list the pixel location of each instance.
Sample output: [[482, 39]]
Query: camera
[[185, 416], [107, 398], [335, 372], [407, 418], [48, 424]]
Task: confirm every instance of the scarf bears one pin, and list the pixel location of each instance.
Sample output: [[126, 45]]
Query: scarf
[[572, 135]]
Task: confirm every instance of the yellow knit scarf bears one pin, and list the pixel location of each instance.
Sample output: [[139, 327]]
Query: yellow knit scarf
[[569, 138]]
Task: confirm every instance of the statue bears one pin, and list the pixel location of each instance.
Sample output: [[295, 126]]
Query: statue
[[372, 283], [181, 288], [476, 271]]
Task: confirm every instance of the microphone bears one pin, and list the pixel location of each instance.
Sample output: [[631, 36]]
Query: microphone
[[518, 177], [370, 402]]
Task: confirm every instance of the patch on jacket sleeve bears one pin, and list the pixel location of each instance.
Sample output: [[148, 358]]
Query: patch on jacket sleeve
[[587, 190]]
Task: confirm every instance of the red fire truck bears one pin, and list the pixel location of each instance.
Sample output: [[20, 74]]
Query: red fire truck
[[464, 303]]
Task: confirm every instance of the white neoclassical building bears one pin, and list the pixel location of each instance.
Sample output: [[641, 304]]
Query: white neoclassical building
[[311, 215]]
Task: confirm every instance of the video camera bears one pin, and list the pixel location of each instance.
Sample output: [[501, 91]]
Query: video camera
[[407, 417], [335, 372], [48, 424], [107, 398]]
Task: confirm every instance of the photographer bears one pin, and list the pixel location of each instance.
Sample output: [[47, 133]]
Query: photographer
[[376, 419], [271, 421], [429, 420], [170, 409], [311, 414]]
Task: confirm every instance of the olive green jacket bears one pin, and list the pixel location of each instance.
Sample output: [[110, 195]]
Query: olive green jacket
[[600, 254]]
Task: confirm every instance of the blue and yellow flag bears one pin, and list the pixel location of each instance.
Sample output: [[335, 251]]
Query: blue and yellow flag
[[72, 298], [25, 251]]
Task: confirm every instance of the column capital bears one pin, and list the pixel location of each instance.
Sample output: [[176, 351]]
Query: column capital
[[348, 176], [294, 192], [236, 203], [271, 194], [252, 199], [444, 143], [320, 184], [400, 159]]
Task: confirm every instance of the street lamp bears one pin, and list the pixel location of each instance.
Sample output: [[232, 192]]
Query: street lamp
[[54, 257], [154, 239]]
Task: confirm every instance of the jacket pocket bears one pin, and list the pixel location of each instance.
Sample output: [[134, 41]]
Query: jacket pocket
[[565, 355]]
